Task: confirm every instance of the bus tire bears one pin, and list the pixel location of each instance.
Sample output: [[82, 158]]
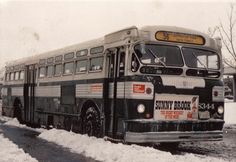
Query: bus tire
[[91, 123]]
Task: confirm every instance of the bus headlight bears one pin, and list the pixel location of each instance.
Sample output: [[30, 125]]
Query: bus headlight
[[220, 110], [141, 108]]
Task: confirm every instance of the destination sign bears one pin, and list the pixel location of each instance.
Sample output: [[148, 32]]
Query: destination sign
[[179, 37]]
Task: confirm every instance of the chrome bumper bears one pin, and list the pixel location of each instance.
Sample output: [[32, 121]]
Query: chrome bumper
[[156, 137]]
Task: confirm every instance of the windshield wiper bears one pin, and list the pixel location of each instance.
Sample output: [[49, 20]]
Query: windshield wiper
[[157, 58], [199, 60]]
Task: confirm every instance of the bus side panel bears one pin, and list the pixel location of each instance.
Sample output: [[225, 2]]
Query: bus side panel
[[10, 94]]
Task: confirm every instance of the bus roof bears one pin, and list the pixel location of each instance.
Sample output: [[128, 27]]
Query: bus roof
[[144, 33], [61, 51]]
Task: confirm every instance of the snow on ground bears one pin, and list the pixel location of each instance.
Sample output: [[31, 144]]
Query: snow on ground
[[102, 150], [9, 152], [15, 122], [106, 151], [5, 118], [230, 113]]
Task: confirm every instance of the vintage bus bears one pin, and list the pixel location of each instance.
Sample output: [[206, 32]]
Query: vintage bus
[[138, 85]]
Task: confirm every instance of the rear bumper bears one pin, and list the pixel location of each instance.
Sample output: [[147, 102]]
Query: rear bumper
[[149, 131]]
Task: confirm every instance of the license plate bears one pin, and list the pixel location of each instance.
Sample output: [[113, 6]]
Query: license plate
[[204, 114]]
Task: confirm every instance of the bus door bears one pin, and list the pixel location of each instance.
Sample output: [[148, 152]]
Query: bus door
[[115, 113], [29, 92]]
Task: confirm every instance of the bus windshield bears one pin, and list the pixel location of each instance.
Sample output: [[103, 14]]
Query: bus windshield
[[198, 58], [162, 55]]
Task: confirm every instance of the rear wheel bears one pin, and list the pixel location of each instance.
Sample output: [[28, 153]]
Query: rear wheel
[[92, 123]]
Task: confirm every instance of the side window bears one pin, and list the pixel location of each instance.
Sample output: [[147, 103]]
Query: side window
[[42, 72], [81, 66], [81, 53], [50, 71], [68, 68], [12, 76], [58, 69], [96, 64], [22, 75], [17, 75]]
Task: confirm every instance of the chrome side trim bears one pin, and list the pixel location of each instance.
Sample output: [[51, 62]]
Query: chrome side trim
[[48, 91], [17, 91]]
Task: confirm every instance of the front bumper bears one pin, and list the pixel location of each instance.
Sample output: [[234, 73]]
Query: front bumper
[[150, 131]]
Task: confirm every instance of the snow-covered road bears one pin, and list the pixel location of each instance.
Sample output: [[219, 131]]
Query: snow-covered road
[[27, 142], [20, 143]]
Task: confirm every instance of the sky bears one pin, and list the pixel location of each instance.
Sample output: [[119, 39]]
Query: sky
[[31, 27]]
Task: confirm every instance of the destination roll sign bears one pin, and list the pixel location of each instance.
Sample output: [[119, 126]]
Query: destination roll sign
[[179, 37]]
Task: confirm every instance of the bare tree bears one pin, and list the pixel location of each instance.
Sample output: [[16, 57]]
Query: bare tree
[[226, 33]]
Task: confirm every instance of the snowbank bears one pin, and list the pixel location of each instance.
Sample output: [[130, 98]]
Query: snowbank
[[9, 152], [15, 122], [4, 118], [106, 151], [230, 112]]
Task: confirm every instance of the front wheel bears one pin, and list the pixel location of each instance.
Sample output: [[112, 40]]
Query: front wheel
[[92, 123]]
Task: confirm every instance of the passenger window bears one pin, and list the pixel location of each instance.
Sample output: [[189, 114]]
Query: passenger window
[[96, 50], [68, 68], [50, 71], [58, 69], [81, 66], [81, 53], [96, 64], [42, 72], [22, 75], [17, 75], [11, 76]]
